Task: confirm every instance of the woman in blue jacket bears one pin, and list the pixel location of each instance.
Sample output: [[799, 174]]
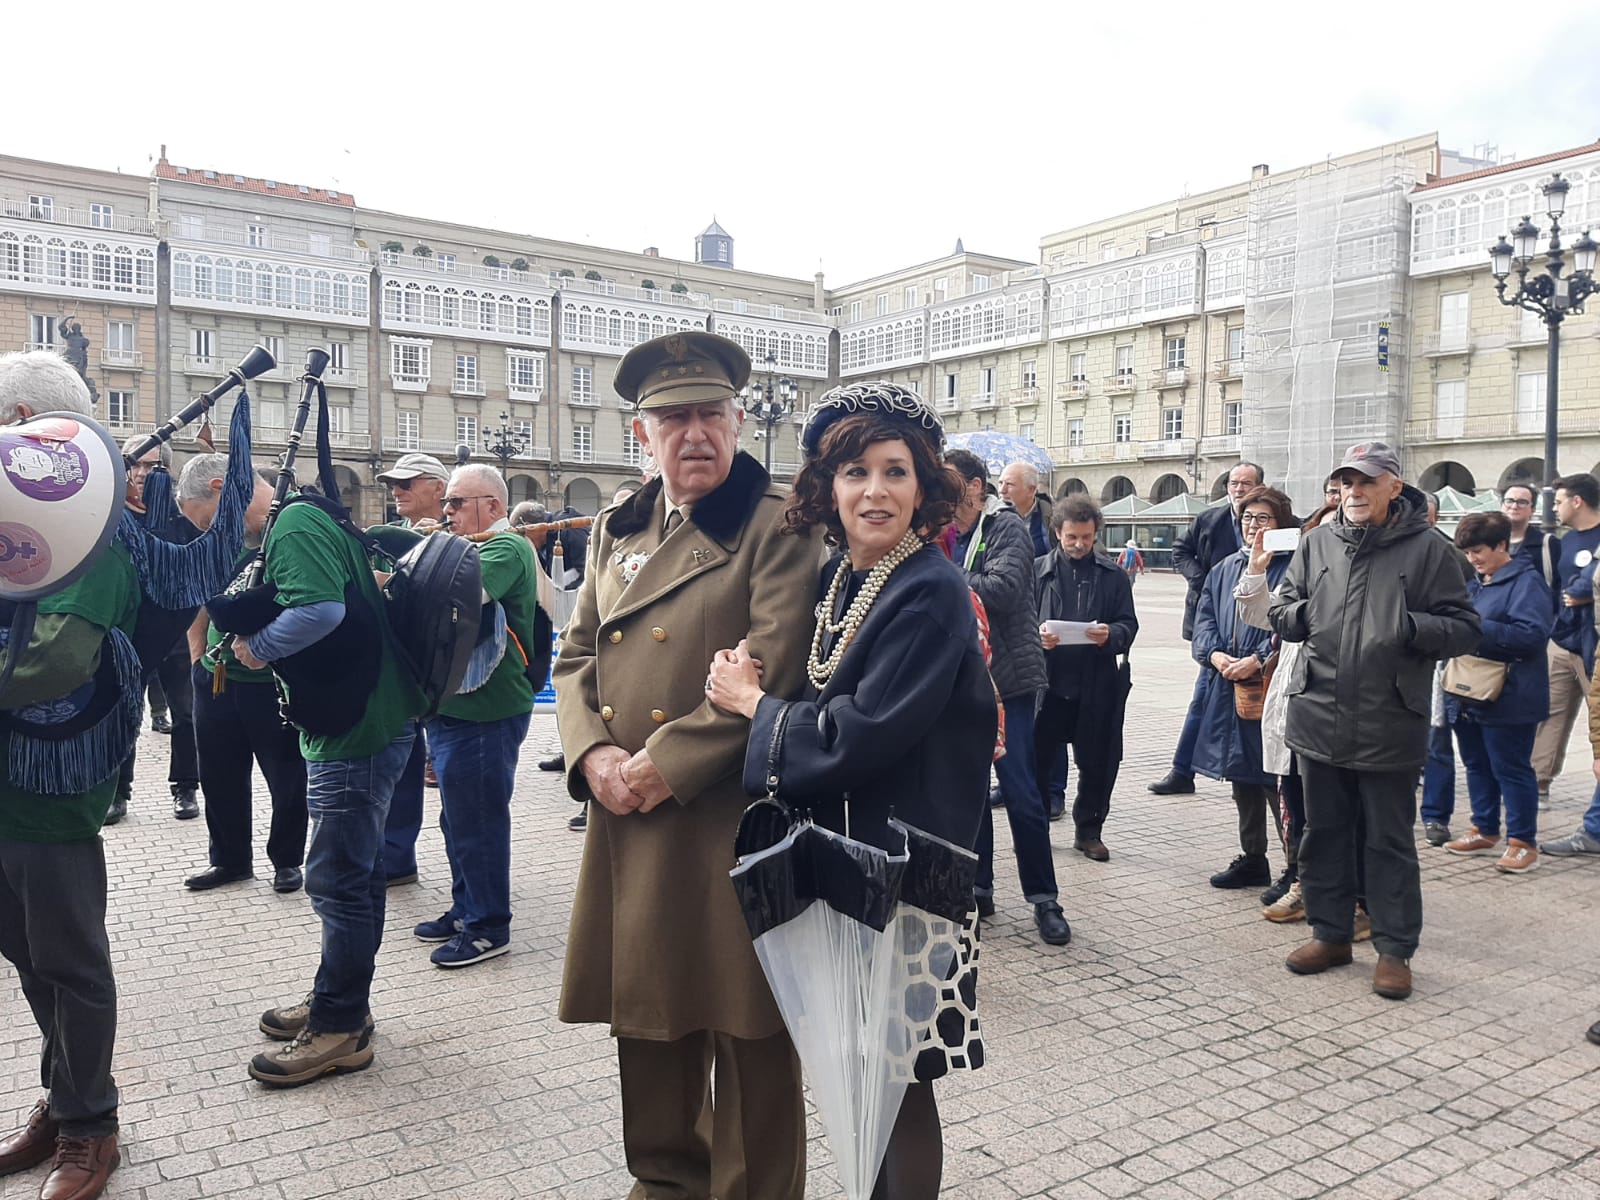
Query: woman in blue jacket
[[1229, 747], [1496, 738]]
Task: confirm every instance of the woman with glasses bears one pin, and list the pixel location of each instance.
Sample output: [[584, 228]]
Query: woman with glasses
[[1229, 746]]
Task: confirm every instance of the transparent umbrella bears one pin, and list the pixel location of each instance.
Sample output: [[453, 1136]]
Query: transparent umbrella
[[997, 449], [856, 943]]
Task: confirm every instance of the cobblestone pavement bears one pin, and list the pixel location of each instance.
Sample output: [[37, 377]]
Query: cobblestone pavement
[[1165, 1053]]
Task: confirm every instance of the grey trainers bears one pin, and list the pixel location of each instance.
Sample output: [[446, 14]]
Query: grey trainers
[[285, 1022], [1437, 833], [311, 1055], [1572, 844]]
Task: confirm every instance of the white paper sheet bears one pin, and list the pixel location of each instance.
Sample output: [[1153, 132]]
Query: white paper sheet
[[1071, 633]]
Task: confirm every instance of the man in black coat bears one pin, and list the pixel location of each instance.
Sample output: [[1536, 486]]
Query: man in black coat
[[1213, 536]]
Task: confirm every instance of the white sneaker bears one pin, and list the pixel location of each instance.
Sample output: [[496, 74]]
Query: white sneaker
[[1291, 906]]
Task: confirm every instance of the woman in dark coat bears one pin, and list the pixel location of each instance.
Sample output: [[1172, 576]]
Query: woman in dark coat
[[1229, 746], [900, 716]]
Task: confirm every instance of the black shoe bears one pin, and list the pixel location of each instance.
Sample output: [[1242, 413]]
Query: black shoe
[[556, 763], [1248, 870], [996, 798], [1174, 783], [1053, 927], [580, 822], [1058, 808], [215, 877], [1436, 832], [184, 805], [1279, 889], [159, 723], [985, 906], [401, 879], [288, 879], [1594, 1033], [118, 809]]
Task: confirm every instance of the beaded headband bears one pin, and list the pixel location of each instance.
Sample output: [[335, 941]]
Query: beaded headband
[[891, 400]]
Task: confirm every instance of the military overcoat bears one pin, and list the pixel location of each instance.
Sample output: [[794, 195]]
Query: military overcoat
[[658, 947]]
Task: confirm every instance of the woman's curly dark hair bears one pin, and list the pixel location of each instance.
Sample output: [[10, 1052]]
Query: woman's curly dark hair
[[845, 441]]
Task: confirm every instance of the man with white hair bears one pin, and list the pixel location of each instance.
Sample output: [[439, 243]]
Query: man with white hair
[[477, 734], [52, 861], [1019, 487]]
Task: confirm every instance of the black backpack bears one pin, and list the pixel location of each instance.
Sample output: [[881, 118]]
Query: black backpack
[[434, 599]]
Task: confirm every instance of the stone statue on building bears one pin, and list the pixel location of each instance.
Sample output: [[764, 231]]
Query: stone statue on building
[[76, 352]]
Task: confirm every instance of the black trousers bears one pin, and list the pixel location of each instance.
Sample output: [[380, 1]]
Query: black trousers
[[239, 727], [1338, 800], [1097, 756], [183, 769], [53, 930]]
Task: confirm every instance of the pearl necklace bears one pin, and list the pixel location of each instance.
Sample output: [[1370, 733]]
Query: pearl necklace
[[818, 670]]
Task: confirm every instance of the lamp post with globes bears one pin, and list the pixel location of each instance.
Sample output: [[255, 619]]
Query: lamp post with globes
[[1550, 295], [769, 404], [505, 441]]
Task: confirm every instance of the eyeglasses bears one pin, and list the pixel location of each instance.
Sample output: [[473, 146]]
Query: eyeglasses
[[454, 502], [403, 484], [1508, 502], [1250, 518]]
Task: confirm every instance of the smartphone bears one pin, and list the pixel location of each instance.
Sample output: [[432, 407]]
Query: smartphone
[[1277, 540]]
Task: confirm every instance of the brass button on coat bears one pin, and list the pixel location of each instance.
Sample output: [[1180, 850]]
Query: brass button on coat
[[616, 636], [657, 715], [607, 713], [659, 634]]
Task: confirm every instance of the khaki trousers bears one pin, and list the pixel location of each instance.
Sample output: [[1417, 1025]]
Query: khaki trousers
[[747, 1142], [1569, 690]]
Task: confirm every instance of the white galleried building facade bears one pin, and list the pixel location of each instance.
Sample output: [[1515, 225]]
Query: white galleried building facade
[[1278, 319]]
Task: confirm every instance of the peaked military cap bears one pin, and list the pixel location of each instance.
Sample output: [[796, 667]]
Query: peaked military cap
[[693, 367]]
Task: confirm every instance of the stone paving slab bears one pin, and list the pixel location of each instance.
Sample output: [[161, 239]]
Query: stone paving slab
[[1165, 1053]]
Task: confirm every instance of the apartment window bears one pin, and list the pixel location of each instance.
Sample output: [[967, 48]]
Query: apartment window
[[255, 235], [1122, 428], [855, 310], [1075, 431], [1530, 402], [883, 304], [191, 227], [986, 382], [980, 283], [522, 431], [270, 416], [1108, 251], [908, 298], [1450, 409], [1030, 376], [338, 356], [119, 336], [100, 216], [1530, 327], [339, 424], [1078, 367], [952, 387], [1171, 424], [1125, 361], [411, 362], [1233, 418], [583, 385], [524, 372], [632, 448], [41, 208], [320, 244], [941, 289], [1453, 311], [1176, 347], [408, 430], [119, 408], [1025, 430], [467, 373], [582, 443], [467, 430], [1236, 344], [274, 346], [447, 263], [202, 342], [41, 331]]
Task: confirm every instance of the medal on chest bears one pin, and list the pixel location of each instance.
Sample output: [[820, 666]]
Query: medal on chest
[[629, 564]]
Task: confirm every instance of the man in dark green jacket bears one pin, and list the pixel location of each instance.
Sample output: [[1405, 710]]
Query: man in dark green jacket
[[1377, 599]]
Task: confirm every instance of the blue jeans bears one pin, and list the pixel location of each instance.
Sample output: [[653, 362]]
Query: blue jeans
[[349, 800], [476, 762], [1499, 762], [1030, 826], [1183, 756], [1439, 778], [405, 816]]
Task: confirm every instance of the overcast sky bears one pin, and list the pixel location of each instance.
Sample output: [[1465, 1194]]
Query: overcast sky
[[854, 138]]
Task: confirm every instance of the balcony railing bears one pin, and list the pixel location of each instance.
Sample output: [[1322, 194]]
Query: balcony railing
[[1436, 344], [775, 312], [121, 358], [270, 242], [351, 377], [1028, 394], [525, 391], [623, 291], [1075, 389], [1229, 368], [407, 381], [1227, 443], [984, 400], [583, 400], [50, 346], [1173, 377], [1121, 383], [20, 209], [949, 403], [466, 387], [201, 364], [1178, 447]]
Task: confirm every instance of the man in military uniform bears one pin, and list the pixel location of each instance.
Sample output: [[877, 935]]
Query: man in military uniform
[[658, 948]]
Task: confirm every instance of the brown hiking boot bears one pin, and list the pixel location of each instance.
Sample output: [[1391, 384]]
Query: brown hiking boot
[[284, 1022], [1392, 979], [1317, 956], [82, 1166], [32, 1144], [311, 1055]]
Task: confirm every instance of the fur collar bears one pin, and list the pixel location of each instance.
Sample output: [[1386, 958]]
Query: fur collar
[[722, 514]]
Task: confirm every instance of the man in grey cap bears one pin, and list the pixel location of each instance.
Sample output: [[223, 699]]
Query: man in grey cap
[[1377, 599], [417, 483], [659, 950]]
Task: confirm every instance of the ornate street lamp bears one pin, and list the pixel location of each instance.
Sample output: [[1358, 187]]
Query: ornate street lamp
[[505, 441], [1550, 295], [769, 404]]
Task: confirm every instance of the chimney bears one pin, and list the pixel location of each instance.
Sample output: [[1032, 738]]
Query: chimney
[[652, 252], [1260, 171]]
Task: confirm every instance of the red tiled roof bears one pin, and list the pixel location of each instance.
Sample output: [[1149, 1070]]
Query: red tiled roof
[[1510, 166], [243, 183]]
